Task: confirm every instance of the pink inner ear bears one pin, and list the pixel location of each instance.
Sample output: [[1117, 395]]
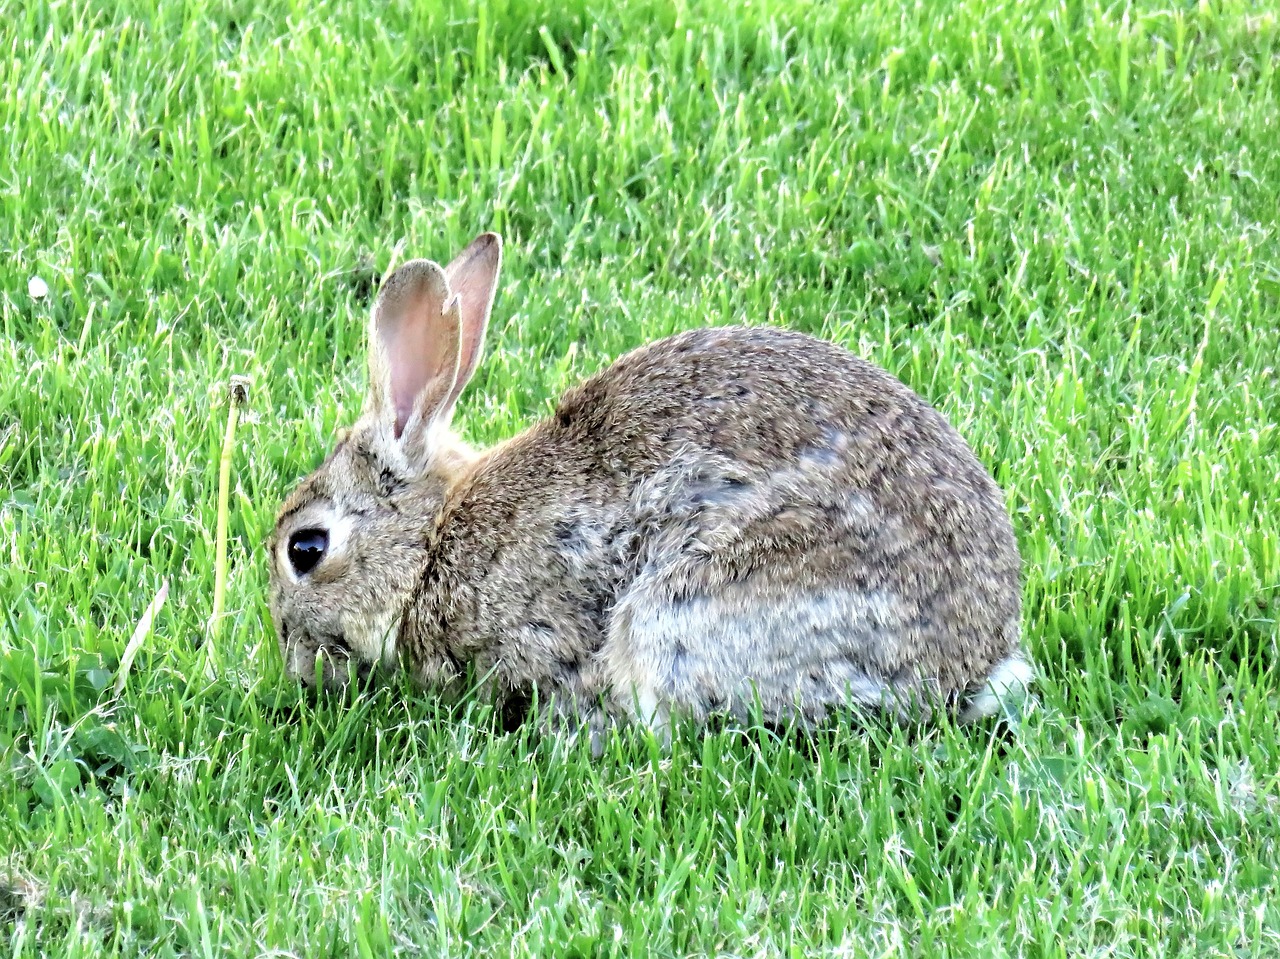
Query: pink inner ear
[[419, 343], [408, 342], [407, 379]]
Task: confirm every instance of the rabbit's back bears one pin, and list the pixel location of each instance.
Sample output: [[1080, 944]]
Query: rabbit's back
[[733, 516]]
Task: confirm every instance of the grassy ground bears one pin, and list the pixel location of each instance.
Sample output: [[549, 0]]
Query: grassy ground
[[1056, 221]]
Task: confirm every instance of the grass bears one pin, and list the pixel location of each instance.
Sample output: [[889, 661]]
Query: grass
[[1055, 221]]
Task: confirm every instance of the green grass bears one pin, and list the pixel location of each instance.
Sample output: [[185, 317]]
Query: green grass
[[1058, 222]]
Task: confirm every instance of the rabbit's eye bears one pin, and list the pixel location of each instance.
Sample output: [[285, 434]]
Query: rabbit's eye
[[306, 549]]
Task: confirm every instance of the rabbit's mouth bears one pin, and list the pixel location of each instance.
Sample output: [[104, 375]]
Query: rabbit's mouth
[[343, 665], [324, 660], [334, 653]]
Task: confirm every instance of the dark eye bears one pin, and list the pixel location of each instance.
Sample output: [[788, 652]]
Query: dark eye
[[306, 549]]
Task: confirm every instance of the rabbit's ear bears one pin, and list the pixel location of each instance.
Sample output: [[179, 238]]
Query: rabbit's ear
[[413, 353], [473, 278]]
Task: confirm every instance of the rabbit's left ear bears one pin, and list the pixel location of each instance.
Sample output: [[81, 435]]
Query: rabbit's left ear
[[473, 279], [413, 354]]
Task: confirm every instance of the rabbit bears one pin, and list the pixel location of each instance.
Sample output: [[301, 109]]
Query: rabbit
[[732, 520]]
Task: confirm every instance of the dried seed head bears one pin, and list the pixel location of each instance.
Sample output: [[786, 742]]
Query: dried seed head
[[239, 387]]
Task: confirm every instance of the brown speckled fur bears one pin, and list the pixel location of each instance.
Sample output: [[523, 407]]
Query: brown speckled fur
[[724, 518]]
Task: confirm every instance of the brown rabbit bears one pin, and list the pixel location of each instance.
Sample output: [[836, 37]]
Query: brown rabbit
[[727, 519]]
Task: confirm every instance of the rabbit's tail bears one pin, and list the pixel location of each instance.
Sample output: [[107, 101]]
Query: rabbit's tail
[[1006, 686]]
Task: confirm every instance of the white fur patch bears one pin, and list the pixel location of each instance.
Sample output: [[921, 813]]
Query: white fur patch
[[373, 641], [651, 711], [1007, 685], [726, 651]]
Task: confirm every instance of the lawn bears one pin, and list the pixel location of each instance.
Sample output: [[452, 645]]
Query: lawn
[[1056, 221]]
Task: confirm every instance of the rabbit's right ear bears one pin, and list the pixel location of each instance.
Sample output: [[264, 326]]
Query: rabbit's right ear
[[413, 356], [473, 277]]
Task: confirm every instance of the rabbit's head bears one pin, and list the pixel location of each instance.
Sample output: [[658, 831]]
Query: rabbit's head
[[350, 543]]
